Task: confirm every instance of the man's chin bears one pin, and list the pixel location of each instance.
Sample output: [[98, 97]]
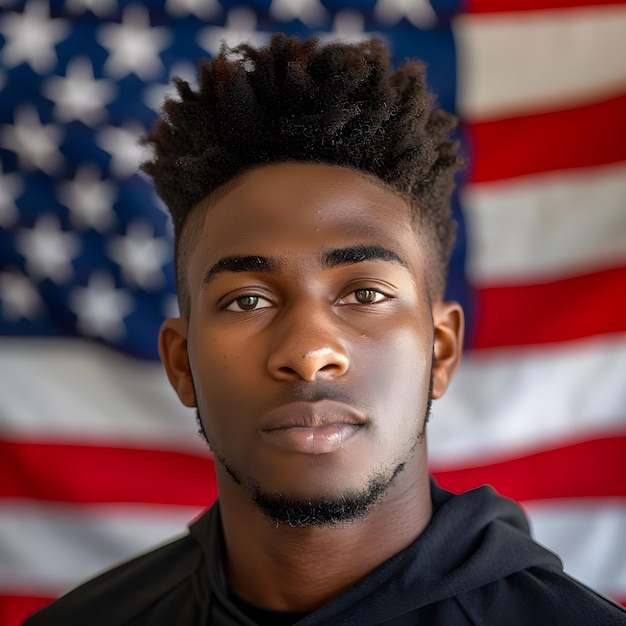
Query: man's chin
[[324, 510], [301, 510]]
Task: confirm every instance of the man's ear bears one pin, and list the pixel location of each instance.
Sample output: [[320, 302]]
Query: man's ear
[[449, 323], [173, 351]]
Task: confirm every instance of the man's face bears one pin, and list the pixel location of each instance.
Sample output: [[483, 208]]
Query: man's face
[[310, 337]]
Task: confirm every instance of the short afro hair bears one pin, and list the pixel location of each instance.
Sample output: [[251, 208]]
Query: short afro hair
[[297, 100]]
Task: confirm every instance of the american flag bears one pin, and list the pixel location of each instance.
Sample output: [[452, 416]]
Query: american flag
[[99, 460]]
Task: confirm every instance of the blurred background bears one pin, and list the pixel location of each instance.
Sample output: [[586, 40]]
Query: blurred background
[[97, 458]]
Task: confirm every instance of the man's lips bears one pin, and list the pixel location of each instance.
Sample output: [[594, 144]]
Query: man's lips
[[312, 427]]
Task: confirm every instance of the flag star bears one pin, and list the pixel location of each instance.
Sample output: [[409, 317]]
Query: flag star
[[78, 96], [348, 26], [101, 8], [100, 308], [11, 186], [19, 298], [141, 255], [89, 199], [36, 144], [134, 45], [202, 9], [48, 250], [240, 28], [309, 12], [154, 94], [122, 143], [419, 12], [30, 37]]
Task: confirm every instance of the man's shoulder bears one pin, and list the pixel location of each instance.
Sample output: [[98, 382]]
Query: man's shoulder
[[122, 594], [497, 574], [541, 595]]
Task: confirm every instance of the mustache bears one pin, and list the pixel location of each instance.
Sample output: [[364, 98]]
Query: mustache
[[308, 392]]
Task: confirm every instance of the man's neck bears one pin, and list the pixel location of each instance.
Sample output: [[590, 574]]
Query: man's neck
[[301, 569]]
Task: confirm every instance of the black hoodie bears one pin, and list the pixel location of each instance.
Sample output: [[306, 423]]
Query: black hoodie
[[475, 563]]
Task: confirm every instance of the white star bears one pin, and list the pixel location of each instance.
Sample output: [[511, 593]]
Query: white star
[[90, 199], [79, 96], [30, 37], [100, 307], [310, 12], [36, 144], [348, 26], [124, 147], [11, 186], [19, 297], [202, 9], [48, 250], [101, 8], [141, 255], [419, 12], [240, 28], [154, 95], [134, 45]]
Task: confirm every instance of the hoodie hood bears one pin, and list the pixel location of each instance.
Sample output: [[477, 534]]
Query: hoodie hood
[[472, 540]]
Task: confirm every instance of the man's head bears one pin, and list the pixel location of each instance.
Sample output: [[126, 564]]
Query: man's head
[[311, 261], [339, 104]]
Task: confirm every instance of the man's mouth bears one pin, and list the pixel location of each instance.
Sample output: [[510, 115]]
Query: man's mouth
[[312, 427]]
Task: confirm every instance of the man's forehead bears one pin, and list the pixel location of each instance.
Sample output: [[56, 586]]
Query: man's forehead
[[295, 193], [302, 207]]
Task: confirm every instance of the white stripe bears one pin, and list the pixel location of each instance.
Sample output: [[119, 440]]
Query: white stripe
[[46, 549], [74, 390], [500, 401], [542, 227], [519, 63], [508, 402], [590, 537]]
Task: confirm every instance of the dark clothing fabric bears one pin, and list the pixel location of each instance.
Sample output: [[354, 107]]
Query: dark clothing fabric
[[475, 563]]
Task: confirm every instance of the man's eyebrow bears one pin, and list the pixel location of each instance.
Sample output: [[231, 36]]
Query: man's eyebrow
[[358, 254], [239, 264]]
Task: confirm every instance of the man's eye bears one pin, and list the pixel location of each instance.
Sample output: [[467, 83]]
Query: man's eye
[[248, 303], [363, 296]]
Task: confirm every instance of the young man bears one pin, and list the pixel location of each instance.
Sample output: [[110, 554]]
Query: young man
[[309, 188]]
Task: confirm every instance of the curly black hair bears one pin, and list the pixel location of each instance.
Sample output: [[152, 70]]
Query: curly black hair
[[296, 100]]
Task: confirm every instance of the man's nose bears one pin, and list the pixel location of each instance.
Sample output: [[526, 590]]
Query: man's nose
[[307, 346]]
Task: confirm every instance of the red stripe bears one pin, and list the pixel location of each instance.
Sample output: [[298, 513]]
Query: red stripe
[[497, 6], [572, 138], [47, 472], [588, 469], [15, 609], [564, 310], [99, 474]]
